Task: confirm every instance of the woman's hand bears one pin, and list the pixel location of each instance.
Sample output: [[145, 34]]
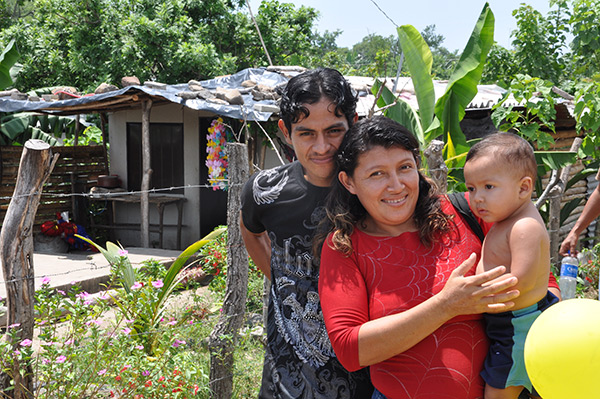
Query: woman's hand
[[481, 293]]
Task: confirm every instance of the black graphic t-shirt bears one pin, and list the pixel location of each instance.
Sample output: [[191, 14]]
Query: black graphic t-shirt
[[299, 360]]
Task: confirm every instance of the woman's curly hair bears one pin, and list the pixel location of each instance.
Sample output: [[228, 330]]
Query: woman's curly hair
[[344, 210]]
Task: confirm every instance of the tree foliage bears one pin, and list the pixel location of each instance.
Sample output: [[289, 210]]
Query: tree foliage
[[86, 42]]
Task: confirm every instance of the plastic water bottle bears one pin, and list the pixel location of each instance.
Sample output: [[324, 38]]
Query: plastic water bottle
[[568, 276]]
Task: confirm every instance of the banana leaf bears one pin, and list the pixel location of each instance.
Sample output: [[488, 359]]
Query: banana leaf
[[418, 59], [16, 124], [401, 112], [462, 86], [39, 134], [8, 58], [554, 160]]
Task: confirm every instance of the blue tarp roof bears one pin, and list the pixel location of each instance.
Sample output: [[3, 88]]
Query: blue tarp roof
[[94, 103]]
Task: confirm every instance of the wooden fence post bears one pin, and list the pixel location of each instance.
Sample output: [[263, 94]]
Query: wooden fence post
[[438, 171], [16, 251], [224, 337], [146, 175]]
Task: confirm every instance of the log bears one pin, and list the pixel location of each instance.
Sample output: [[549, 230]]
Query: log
[[16, 251], [224, 337]]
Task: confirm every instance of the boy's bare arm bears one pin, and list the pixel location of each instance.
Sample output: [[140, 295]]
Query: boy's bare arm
[[530, 256], [258, 247]]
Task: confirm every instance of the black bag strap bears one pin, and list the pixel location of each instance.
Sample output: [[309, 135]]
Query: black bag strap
[[461, 205]]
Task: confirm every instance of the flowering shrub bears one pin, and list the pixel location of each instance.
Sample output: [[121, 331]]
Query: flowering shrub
[[82, 350], [589, 269], [214, 261]]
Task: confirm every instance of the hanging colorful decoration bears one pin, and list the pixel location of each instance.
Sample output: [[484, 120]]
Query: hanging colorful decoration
[[216, 160]]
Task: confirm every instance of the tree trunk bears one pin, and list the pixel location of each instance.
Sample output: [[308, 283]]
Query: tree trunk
[[16, 251], [146, 175], [224, 337]]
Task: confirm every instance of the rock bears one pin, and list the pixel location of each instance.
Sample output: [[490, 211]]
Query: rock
[[105, 88], [130, 81], [155, 85], [7, 93], [188, 95], [66, 92], [266, 108], [262, 92], [195, 87], [34, 98], [205, 94], [194, 83], [217, 101], [232, 96], [18, 96], [248, 83]]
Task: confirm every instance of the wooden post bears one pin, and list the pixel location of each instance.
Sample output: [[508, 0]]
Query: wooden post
[[554, 193], [224, 337], [103, 122], [146, 174], [438, 171], [16, 251]]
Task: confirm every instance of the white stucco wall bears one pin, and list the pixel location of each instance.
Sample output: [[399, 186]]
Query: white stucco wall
[[130, 213]]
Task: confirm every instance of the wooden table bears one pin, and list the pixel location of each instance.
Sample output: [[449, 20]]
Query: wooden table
[[160, 200]]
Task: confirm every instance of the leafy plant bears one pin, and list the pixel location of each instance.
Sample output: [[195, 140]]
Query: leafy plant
[[144, 302], [535, 102]]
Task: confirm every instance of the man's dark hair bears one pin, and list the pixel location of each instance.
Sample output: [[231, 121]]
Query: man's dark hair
[[309, 88]]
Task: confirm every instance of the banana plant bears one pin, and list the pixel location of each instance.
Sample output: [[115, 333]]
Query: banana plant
[[17, 128], [441, 118]]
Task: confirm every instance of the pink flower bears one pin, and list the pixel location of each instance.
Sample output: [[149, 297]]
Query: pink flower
[[46, 280], [157, 283], [123, 252], [103, 295], [61, 359], [69, 341], [139, 347], [14, 325], [137, 285], [126, 330], [61, 292], [145, 373], [102, 372], [178, 342], [26, 342]]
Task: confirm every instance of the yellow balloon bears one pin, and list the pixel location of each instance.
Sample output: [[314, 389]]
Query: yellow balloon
[[562, 351]]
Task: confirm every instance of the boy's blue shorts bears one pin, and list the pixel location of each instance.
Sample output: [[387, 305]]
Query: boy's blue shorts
[[505, 364]]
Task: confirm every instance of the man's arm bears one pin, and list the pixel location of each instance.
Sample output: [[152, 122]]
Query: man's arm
[[258, 247], [591, 211]]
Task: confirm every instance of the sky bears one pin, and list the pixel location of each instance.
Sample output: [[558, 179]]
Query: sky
[[454, 19]]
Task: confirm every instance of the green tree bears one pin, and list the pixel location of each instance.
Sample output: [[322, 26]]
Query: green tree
[[540, 42], [586, 37], [500, 67], [85, 42]]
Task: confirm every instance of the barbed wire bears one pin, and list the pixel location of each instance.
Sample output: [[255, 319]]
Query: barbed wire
[[103, 195]]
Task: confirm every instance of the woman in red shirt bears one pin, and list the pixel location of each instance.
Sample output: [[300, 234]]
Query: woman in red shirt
[[397, 283]]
